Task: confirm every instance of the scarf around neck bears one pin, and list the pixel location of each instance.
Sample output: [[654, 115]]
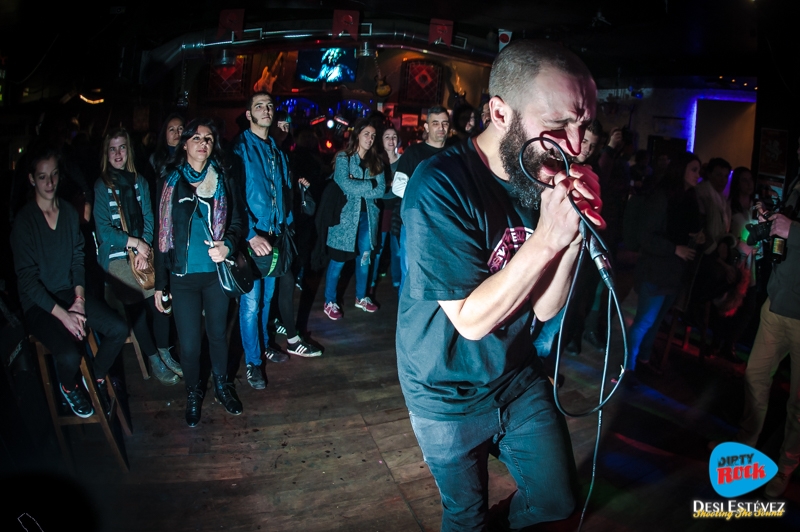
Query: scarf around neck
[[191, 176], [125, 183]]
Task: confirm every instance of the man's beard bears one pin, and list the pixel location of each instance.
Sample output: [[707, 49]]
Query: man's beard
[[255, 120], [527, 192]]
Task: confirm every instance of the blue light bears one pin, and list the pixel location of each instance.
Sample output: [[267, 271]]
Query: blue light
[[691, 124]]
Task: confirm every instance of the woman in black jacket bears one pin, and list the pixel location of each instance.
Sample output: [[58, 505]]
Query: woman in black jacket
[[670, 232], [198, 197]]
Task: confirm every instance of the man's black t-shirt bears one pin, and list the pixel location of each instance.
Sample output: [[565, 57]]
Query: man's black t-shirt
[[462, 225], [415, 154]]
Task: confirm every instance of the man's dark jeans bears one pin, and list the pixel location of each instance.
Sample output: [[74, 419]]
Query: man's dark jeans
[[528, 435]]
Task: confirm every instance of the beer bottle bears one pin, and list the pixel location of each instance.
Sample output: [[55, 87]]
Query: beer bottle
[[166, 302]]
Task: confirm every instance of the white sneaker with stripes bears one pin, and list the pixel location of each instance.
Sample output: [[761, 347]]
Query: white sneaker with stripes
[[303, 349]]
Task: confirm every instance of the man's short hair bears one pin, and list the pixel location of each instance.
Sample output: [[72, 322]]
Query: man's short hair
[[42, 153], [715, 162], [595, 127], [437, 110], [258, 93], [521, 61]]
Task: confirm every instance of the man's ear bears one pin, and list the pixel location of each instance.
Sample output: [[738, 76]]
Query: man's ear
[[425, 125], [501, 113], [248, 116]]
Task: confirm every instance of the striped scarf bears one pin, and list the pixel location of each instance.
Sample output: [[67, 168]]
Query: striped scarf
[[220, 208]]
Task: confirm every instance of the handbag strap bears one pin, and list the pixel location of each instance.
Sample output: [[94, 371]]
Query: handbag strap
[[119, 210], [208, 232]]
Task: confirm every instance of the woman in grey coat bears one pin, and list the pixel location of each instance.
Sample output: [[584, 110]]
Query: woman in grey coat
[[359, 173]]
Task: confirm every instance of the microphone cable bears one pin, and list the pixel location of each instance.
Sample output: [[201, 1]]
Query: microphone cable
[[598, 251]]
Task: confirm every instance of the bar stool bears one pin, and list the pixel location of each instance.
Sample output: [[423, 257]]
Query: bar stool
[[99, 416]]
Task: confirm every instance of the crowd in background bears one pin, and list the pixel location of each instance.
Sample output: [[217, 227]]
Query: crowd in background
[[686, 219]]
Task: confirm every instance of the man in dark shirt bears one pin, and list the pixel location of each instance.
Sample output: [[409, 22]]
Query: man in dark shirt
[[489, 252], [437, 126]]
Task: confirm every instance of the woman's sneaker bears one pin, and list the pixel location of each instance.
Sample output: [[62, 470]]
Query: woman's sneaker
[[303, 349], [77, 401], [333, 311], [366, 305]]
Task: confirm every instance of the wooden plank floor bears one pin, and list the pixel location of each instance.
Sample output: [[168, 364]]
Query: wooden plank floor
[[328, 445]]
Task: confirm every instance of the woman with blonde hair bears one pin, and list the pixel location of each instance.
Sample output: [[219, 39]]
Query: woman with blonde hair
[[124, 221]]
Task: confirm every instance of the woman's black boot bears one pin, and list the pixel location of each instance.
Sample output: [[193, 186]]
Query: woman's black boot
[[194, 401], [226, 395]]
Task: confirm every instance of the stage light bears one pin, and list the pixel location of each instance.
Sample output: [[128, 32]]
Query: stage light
[[330, 124], [318, 120], [328, 144]]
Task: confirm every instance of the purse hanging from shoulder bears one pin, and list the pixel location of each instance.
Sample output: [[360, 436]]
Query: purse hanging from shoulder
[[145, 278], [235, 273]]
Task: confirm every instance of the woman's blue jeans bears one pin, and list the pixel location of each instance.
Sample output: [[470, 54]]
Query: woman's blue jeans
[[364, 249], [650, 311], [528, 435]]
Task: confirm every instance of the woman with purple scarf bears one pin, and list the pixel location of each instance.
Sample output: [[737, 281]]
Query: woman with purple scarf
[[198, 198]]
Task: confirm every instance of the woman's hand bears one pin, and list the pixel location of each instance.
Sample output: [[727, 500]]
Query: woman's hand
[[140, 262], [217, 250], [304, 182], [143, 249], [157, 300], [685, 252]]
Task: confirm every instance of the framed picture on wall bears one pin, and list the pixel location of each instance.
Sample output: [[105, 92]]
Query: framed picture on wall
[[772, 152]]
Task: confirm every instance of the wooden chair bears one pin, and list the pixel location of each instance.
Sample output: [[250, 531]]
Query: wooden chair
[[99, 416], [138, 350]]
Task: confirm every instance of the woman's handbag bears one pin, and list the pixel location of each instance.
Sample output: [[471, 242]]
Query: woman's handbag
[[235, 273], [278, 262], [145, 278]]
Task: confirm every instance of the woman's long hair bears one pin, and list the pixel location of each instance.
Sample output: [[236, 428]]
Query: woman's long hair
[[736, 186], [161, 155], [189, 131], [119, 132], [673, 181], [372, 160]]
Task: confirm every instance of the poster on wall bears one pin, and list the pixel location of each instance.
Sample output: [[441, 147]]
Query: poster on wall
[[772, 153]]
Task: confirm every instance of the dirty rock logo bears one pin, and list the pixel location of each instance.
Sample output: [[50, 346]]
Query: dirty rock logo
[[736, 469]]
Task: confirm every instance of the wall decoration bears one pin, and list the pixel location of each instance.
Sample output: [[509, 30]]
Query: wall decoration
[[229, 82], [421, 83]]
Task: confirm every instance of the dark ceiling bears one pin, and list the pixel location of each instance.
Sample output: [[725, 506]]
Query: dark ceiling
[[643, 42]]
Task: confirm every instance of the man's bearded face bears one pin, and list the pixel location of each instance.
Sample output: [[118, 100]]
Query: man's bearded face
[[526, 191]]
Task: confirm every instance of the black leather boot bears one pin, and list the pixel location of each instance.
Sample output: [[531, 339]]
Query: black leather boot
[[226, 395], [194, 401]]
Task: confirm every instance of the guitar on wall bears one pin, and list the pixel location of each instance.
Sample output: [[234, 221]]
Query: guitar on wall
[[382, 89], [269, 75]]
